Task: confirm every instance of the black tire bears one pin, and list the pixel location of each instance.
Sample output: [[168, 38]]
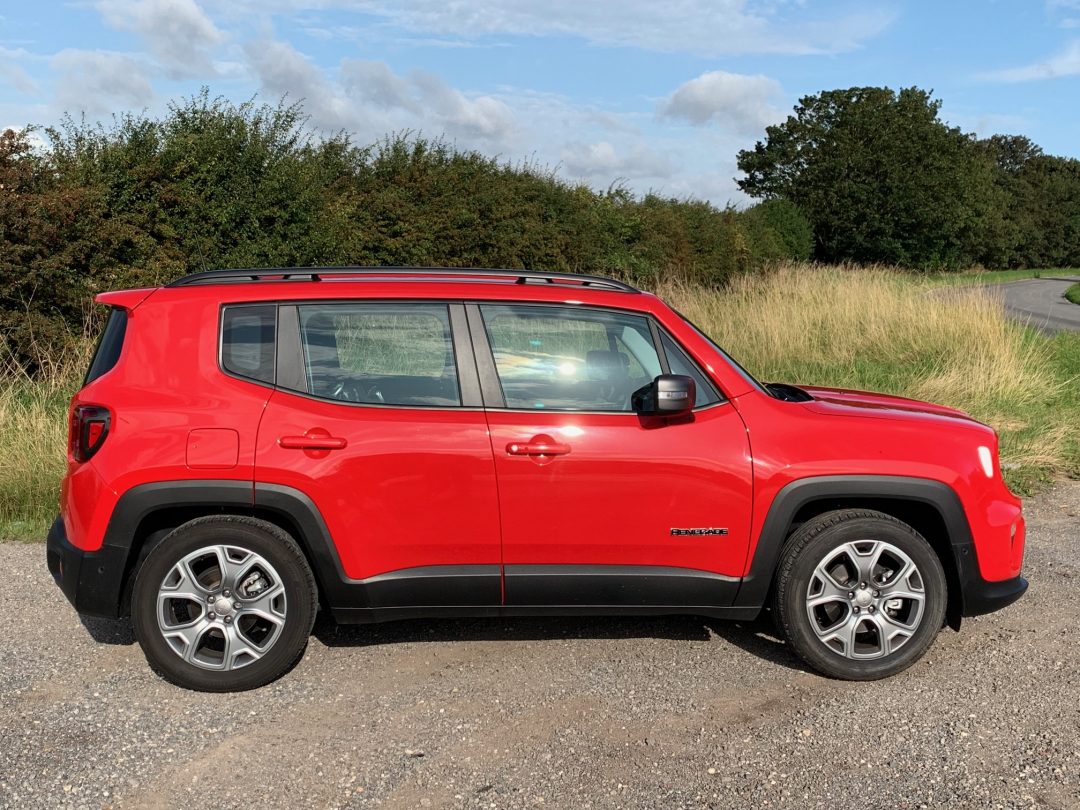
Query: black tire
[[817, 541], [278, 549]]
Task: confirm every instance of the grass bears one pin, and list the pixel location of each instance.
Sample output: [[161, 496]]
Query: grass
[[33, 442], [1073, 293], [873, 329]]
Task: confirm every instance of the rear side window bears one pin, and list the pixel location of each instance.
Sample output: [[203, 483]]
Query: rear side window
[[247, 341], [380, 354], [108, 349]]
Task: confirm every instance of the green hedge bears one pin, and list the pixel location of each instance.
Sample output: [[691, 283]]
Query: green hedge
[[212, 184]]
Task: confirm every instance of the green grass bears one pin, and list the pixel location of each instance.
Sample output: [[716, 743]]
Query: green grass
[[32, 451], [1073, 293], [976, 277]]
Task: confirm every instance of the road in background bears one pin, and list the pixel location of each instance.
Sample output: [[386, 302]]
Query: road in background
[[591, 713], [1041, 302]]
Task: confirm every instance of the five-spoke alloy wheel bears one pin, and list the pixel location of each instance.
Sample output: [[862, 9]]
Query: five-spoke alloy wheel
[[224, 603], [859, 595]]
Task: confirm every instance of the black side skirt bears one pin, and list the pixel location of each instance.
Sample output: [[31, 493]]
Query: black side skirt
[[540, 590]]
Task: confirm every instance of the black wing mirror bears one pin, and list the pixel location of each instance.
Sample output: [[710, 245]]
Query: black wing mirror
[[667, 395]]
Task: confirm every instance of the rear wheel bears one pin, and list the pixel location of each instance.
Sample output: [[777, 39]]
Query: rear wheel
[[859, 594], [224, 603]]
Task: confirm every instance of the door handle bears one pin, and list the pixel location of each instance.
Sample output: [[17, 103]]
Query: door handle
[[312, 441], [537, 447]]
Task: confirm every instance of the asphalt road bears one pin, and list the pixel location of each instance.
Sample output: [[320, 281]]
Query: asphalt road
[[673, 713], [1041, 303]]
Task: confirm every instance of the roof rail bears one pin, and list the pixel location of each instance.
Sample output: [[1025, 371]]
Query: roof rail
[[394, 273]]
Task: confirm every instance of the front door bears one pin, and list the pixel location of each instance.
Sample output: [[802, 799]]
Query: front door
[[600, 506], [377, 419]]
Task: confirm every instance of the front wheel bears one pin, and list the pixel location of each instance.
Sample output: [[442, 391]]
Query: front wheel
[[859, 595], [224, 603]]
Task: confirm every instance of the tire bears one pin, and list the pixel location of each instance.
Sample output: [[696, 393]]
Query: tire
[[841, 628], [193, 634]]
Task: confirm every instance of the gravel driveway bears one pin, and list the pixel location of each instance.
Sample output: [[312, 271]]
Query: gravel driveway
[[589, 713]]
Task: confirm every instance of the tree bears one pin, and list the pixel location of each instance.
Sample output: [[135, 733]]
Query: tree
[[880, 177]]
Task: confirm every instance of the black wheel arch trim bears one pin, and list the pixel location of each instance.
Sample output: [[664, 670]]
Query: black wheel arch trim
[[974, 594]]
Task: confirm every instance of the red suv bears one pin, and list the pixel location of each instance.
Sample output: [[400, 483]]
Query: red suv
[[387, 443]]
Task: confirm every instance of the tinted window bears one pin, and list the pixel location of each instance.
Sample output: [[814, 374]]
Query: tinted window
[[247, 341], [108, 349], [680, 363], [557, 358], [380, 354]]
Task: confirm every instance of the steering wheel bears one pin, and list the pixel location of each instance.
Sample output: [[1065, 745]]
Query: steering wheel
[[352, 391]]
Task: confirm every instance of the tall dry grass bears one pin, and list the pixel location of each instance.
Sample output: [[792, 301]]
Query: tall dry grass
[[876, 329], [33, 438]]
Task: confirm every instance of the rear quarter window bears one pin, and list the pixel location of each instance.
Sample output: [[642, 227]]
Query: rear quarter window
[[109, 346], [247, 341]]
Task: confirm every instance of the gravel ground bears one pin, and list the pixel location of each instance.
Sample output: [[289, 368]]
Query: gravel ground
[[556, 713]]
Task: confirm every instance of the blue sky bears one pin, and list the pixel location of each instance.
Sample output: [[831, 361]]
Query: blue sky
[[656, 95]]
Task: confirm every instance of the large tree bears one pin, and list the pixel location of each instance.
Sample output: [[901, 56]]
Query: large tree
[[880, 177]]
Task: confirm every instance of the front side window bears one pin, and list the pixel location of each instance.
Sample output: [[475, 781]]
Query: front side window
[[680, 363], [562, 358], [380, 354]]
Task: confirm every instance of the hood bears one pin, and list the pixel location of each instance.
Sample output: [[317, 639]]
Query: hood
[[842, 402]]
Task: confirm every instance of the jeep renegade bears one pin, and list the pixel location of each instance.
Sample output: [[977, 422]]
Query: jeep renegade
[[251, 446]]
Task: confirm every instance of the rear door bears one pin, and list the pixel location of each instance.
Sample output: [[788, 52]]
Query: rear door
[[377, 419], [600, 506]]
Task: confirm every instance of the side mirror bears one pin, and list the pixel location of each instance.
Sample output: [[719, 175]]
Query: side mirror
[[667, 395]]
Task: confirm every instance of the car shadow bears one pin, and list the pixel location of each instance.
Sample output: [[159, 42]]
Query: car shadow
[[758, 637], [109, 631]]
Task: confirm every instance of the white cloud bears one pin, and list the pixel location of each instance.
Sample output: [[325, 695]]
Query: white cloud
[[375, 83], [284, 71], [369, 99], [100, 82], [177, 32], [736, 102], [14, 73], [703, 27], [1064, 63], [602, 163]]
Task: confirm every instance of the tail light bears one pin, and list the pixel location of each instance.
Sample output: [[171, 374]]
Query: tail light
[[88, 431]]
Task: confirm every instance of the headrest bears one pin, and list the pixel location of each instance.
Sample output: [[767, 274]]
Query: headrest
[[600, 365]]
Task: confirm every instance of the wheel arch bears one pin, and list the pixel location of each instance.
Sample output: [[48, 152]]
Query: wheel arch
[[930, 507], [145, 514]]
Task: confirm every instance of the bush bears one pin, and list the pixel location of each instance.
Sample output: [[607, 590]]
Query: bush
[[213, 184]]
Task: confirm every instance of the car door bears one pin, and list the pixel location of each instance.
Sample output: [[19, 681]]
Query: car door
[[600, 506], [377, 419]]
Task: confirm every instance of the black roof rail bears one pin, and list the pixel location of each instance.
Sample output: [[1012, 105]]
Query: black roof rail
[[414, 273]]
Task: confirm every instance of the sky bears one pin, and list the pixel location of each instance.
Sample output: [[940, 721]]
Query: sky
[[655, 95]]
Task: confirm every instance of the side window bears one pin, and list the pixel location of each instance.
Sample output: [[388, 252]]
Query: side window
[[108, 349], [380, 354], [680, 363], [247, 341], [561, 358]]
